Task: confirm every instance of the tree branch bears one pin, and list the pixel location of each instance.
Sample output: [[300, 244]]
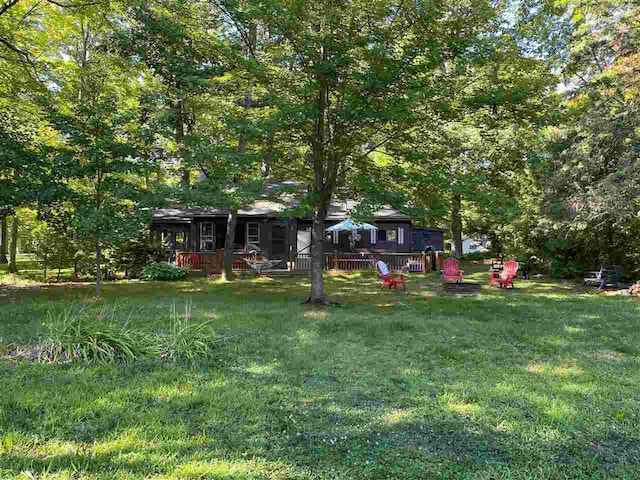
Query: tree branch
[[73, 5], [7, 5]]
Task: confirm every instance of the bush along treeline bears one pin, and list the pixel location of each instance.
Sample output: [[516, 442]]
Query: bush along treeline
[[164, 271], [58, 250], [520, 127]]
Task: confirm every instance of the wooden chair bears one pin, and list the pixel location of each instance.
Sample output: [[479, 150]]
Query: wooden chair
[[609, 275], [388, 280], [504, 278], [451, 270]]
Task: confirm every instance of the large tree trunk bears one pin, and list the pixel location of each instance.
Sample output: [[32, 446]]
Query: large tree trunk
[[317, 258], [456, 225], [98, 269], [4, 236], [179, 111], [13, 247], [324, 186], [227, 269]]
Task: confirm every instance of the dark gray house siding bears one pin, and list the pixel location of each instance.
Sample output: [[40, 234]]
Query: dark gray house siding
[[421, 237], [280, 238]]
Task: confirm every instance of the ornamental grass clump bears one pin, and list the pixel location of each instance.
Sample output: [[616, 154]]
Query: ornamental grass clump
[[185, 340], [77, 333]]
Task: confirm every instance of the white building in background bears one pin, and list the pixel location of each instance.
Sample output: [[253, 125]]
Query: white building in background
[[475, 245]]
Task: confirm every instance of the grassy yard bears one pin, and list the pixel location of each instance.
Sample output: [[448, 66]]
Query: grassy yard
[[537, 383]]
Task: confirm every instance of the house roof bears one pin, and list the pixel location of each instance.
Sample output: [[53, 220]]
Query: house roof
[[431, 229], [269, 208]]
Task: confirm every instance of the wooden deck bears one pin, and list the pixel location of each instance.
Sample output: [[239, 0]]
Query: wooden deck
[[212, 262]]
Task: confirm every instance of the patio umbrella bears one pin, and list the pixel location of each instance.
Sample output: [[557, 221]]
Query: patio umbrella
[[349, 225]]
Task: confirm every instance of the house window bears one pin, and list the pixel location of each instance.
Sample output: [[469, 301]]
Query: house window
[[400, 236], [253, 233], [374, 237], [387, 235], [181, 240], [207, 237]]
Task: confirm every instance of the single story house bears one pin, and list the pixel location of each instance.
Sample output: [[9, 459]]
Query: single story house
[[267, 226], [262, 227]]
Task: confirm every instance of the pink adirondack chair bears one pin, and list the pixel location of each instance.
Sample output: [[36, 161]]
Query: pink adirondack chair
[[504, 278], [451, 270]]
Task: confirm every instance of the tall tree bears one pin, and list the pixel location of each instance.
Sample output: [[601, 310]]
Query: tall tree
[[13, 246], [589, 175], [472, 151], [26, 173], [178, 43], [344, 78], [97, 113], [4, 238], [230, 234]]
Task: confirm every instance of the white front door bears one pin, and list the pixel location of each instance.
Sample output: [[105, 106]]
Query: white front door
[[304, 241]]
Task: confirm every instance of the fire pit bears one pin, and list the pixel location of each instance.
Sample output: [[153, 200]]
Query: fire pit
[[462, 289]]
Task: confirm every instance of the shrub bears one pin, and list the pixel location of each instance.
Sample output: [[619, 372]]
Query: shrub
[[560, 269], [163, 271], [132, 255], [75, 334]]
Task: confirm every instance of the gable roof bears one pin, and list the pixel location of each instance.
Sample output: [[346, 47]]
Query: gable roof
[[269, 209]]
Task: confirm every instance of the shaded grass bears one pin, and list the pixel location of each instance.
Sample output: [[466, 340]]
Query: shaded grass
[[539, 382]]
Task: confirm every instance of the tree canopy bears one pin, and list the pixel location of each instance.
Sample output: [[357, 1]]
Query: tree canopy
[[512, 120]]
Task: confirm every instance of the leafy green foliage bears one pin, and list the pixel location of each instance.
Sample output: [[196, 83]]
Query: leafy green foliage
[[588, 169], [570, 269], [77, 334], [164, 271], [55, 249], [131, 256]]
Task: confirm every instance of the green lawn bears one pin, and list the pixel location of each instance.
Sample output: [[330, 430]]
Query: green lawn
[[539, 382]]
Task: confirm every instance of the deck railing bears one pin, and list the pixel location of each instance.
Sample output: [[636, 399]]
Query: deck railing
[[350, 262], [212, 262]]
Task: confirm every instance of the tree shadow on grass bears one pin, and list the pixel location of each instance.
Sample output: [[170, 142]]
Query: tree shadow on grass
[[442, 385]]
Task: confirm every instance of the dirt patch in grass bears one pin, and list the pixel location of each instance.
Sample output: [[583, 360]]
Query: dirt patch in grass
[[618, 448], [608, 356], [13, 352]]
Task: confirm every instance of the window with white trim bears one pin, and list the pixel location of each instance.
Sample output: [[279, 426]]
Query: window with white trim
[[253, 233], [207, 237], [374, 237], [400, 236]]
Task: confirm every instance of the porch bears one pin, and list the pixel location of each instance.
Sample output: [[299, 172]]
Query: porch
[[212, 262]]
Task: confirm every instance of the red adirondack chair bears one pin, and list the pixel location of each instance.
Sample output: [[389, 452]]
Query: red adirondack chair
[[390, 281], [504, 278], [451, 270]]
